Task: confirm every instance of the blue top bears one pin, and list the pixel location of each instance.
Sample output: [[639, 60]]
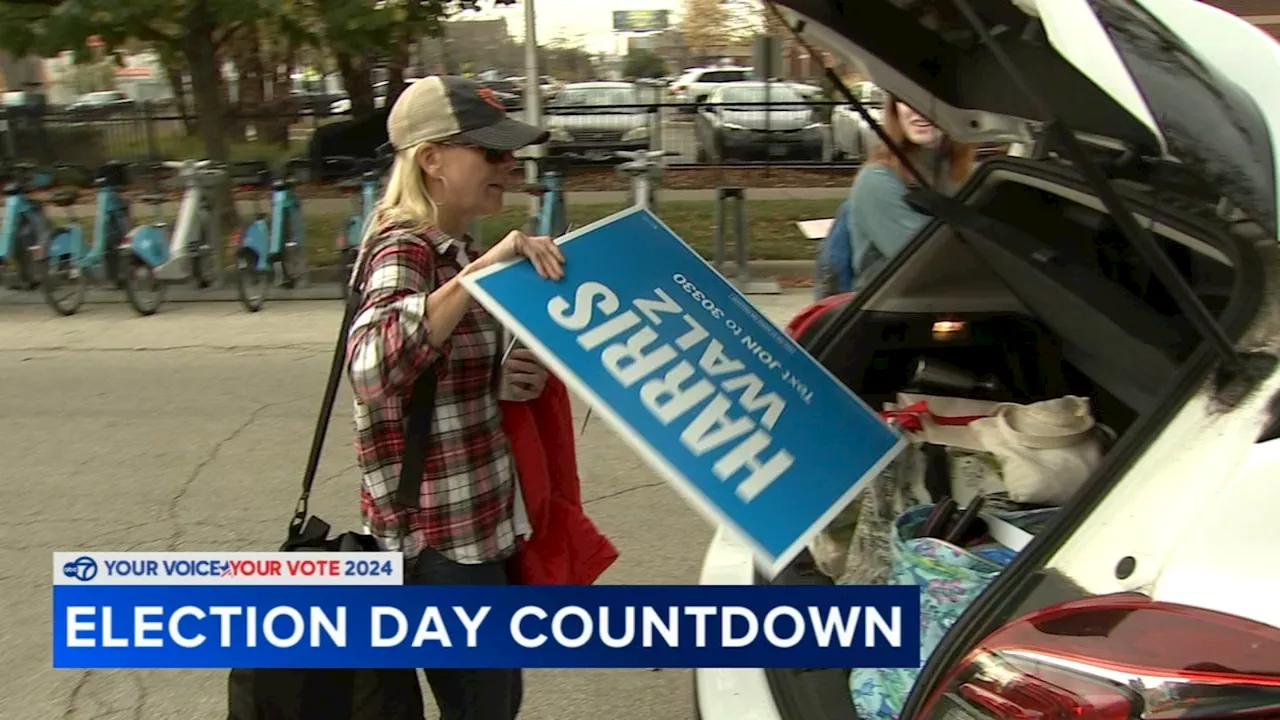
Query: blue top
[[871, 227], [880, 222]]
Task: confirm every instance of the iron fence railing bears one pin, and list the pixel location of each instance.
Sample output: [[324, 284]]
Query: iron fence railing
[[743, 133], [771, 134]]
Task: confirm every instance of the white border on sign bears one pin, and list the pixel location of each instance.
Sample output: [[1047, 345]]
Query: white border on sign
[[767, 563]]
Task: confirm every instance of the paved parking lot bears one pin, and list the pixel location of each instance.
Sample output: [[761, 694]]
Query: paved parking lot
[[189, 431]]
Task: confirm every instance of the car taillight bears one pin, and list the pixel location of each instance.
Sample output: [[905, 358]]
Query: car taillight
[[1116, 657]]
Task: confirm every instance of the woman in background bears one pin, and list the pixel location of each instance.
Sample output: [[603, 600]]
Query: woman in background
[[875, 223]]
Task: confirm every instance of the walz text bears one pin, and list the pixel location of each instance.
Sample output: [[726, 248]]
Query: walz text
[[631, 351]]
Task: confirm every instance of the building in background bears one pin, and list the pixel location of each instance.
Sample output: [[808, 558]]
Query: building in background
[[470, 47]]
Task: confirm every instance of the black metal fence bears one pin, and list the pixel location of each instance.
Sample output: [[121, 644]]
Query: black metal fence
[[809, 134]]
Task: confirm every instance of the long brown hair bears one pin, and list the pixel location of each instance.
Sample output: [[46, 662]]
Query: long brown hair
[[957, 155]]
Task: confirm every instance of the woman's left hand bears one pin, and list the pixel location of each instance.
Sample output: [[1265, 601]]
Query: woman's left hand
[[523, 377]]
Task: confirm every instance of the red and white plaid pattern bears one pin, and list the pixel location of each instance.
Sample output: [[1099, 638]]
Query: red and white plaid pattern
[[468, 488]]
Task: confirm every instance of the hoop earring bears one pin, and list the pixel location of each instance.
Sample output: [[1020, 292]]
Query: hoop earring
[[444, 186]]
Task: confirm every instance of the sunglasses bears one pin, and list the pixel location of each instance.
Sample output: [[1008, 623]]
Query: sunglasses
[[491, 156]]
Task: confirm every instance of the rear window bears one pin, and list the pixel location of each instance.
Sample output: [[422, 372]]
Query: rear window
[[1088, 238], [759, 94], [721, 76], [597, 96], [1057, 299]]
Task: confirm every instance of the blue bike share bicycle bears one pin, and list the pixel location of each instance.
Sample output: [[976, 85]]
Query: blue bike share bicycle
[[156, 254], [365, 186], [70, 266], [25, 228], [552, 219], [270, 242]]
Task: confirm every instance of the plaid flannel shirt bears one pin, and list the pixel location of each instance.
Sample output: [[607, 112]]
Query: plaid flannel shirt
[[469, 479]]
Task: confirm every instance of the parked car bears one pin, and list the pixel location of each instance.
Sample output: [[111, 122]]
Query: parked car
[[101, 104], [851, 136], [697, 84], [1149, 594], [342, 105], [597, 119], [736, 123], [508, 93], [548, 85], [808, 91]]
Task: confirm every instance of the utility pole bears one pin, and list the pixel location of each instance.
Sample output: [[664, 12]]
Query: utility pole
[[532, 95]]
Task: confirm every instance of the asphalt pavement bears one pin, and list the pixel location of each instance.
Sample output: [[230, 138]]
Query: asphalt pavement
[[189, 430]]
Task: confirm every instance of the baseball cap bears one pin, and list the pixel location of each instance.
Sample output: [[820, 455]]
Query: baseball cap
[[443, 107]]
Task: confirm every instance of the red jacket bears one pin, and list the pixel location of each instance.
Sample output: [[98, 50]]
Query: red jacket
[[566, 548], [810, 315]]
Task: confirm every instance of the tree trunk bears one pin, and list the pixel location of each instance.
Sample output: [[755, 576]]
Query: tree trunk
[[207, 89], [174, 71], [355, 76], [206, 86], [396, 63]]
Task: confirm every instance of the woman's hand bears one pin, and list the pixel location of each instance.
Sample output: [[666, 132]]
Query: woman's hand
[[541, 251], [523, 377]]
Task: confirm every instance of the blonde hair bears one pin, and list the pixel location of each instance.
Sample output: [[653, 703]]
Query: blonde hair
[[405, 201]]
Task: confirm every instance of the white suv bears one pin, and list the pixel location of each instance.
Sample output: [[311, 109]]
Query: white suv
[[697, 84], [1138, 266]]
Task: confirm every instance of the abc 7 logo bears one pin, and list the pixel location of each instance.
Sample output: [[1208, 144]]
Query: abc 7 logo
[[83, 568]]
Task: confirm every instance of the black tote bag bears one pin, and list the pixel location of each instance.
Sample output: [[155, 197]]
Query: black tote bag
[[339, 694]]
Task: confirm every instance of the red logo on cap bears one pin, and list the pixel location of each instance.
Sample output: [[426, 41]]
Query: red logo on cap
[[487, 95]]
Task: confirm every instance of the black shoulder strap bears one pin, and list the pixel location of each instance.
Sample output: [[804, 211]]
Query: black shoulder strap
[[417, 424], [417, 430]]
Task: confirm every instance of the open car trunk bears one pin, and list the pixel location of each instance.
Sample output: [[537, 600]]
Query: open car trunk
[[1050, 299]]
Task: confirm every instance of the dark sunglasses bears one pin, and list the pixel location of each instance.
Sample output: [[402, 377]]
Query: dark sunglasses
[[491, 156]]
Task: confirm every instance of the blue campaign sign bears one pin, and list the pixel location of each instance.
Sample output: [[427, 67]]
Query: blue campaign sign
[[747, 424]]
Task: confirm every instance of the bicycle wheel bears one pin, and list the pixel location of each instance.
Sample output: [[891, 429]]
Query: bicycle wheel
[[204, 265], [251, 283], [113, 268], [349, 256], [63, 285], [144, 290], [29, 271], [293, 260]]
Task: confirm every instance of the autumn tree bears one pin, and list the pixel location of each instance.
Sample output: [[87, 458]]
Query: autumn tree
[[196, 30], [642, 63], [703, 24]]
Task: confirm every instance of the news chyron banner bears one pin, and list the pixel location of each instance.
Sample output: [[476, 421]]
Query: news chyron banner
[[755, 432], [351, 610]]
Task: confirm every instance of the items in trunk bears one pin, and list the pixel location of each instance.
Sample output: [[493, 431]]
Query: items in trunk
[[1046, 450], [956, 506], [950, 578]]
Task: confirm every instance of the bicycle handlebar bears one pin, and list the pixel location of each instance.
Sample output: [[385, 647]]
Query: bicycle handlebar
[[187, 164], [350, 165]]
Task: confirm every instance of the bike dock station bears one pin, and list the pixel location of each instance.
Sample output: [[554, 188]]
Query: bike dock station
[[741, 277]]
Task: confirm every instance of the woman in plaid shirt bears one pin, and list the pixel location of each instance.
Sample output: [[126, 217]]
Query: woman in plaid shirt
[[454, 149]]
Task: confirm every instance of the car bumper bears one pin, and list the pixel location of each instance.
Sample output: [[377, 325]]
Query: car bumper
[[780, 144], [597, 150], [731, 693]]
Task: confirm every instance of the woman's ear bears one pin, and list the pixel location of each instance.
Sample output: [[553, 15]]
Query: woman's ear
[[429, 160]]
